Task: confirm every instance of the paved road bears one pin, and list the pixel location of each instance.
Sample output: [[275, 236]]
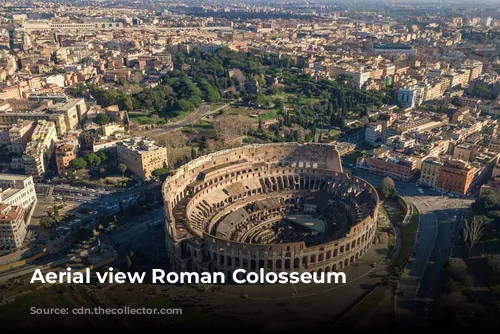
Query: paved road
[[202, 111], [420, 283]]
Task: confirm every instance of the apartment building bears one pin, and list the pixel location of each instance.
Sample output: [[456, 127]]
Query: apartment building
[[141, 156], [18, 190], [429, 172], [66, 150], [455, 176], [13, 226], [494, 144], [373, 134], [20, 135], [66, 113], [384, 162], [39, 150]]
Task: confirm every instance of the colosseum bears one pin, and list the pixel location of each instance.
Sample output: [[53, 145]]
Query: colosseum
[[281, 207]]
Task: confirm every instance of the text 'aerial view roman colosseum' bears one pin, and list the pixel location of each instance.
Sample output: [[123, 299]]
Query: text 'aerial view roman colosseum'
[[281, 207]]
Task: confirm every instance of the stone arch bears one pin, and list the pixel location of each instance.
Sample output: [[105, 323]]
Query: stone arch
[[313, 258], [305, 260], [334, 267], [346, 262], [269, 264], [353, 244], [237, 261], [335, 252], [327, 269], [245, 263], [328, 255], [341, 265], [352, 259], [278, 264], [347, 247], [357, 255], [320, 257], [221, 259], [253, 264], [229, 261], [261, 264], [341, 249], [296, 263]]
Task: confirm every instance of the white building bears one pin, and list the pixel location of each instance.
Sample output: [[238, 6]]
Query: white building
[[17, 190], [373, 134], [410, 97], [57, 80]]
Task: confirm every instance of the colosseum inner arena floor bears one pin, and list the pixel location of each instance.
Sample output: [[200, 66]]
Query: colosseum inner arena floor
[[281, 207]]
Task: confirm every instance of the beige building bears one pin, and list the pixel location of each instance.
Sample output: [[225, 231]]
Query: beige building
[[13, 226], [40, 149], [466, 152], [141, 156], [20, 135], [429, 172], [66, 113]]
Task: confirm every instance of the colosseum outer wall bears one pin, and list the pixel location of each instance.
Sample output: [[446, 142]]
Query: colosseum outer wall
[[191, 249]]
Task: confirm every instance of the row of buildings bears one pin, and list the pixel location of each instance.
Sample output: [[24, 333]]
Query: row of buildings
[[453, 153]]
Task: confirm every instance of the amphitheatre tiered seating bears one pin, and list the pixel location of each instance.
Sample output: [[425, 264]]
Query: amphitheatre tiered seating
[[230, 206]]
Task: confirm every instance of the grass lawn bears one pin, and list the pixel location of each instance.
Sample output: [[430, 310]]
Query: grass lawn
[[409, 232], [334, 132], [237, 111], [309, 100], [215, 106], [282, 95], [142, 119], [269, 115], [203, 125], [178, 116]]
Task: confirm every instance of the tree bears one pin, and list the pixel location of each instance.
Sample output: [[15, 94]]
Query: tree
[[46, 222], [55, 211], [122, 168], [78, 163], [203, 143], [456, 268], [101, 119], [161, 173], [93, 160], [388, 188], [102, 156], [193, 153], [260, 128], [472, 231]]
